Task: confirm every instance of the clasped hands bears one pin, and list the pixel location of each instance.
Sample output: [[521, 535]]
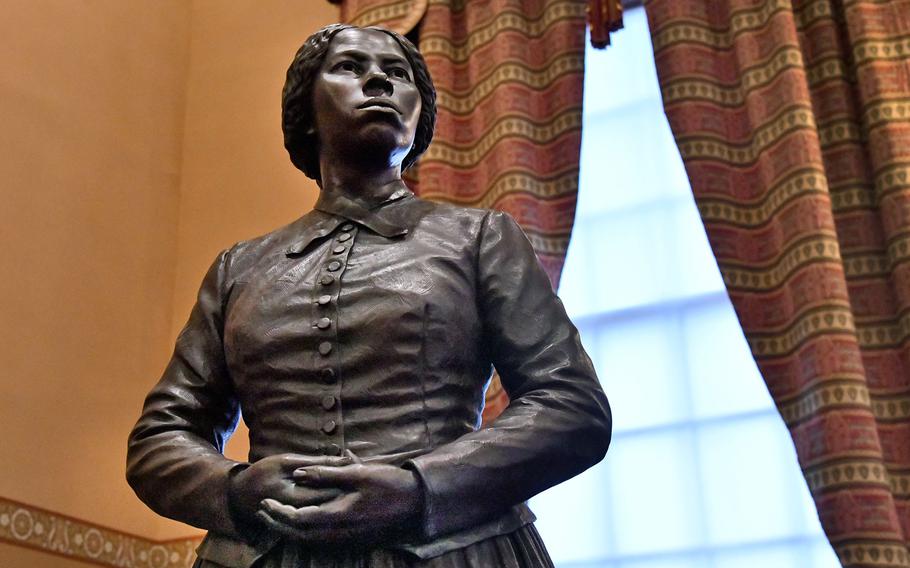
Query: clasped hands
[[327, 500]]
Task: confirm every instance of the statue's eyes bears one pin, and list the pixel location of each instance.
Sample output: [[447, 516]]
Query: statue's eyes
[[348, 66], [399, 73]]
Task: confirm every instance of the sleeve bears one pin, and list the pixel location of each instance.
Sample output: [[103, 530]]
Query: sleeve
[[174, 455], [558, 422]]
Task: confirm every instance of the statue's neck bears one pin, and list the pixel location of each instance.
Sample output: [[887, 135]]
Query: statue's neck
[[365, 186]]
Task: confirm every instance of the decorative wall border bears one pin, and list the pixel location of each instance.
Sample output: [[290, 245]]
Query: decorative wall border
[[55, 533]]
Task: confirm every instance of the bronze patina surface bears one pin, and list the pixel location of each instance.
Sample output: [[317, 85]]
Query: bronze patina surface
[[358, 341]]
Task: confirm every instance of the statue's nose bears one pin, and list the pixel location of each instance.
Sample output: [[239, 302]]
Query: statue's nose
[[377, 84]]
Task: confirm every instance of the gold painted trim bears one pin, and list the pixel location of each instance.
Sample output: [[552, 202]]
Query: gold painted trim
[[791, 186], [872, 553], [509, 128], [708, 146], [459, 51], [55, 533], [511, 182], [766, 275], [749, 20]]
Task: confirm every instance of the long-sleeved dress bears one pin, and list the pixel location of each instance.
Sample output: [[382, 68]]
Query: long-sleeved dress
[[375, 331]]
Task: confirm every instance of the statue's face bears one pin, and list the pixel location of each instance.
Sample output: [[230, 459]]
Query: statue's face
[[365, 95]]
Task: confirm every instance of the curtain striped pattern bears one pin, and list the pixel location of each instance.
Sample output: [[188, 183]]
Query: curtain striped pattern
[[399, 15], [793, 121], [509, 77]]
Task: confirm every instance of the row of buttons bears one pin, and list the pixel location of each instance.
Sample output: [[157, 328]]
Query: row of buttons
[[329, 402]]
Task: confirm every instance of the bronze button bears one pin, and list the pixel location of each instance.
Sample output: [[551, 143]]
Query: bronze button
[[329, 426], [328, 375], [333, 266], [332, 450], [327, 280], [324, 323], [323, 300], [328, 401], [325, 348], [347, 227], [343, 237], [339, 249]]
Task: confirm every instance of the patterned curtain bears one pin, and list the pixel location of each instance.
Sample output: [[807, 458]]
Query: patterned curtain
[[793, 120], [509, 76]]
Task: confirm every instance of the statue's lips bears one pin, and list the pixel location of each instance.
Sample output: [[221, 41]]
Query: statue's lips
[[380, 103]]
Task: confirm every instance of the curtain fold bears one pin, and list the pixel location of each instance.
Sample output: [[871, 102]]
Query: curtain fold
[[793, 121], [399, 15], [509, 78]]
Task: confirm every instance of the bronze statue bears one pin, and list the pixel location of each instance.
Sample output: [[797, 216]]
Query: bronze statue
[[358, 342]]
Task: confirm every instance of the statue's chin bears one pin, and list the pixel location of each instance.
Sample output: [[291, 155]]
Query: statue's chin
[[383, 144]]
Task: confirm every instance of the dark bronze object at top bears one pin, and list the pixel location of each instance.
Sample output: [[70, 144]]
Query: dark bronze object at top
[[358, 341]]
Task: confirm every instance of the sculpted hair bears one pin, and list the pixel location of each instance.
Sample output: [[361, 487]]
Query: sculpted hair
[[297, 108]]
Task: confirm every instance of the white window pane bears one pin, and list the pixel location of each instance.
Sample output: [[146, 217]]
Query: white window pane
[[577, 526], [695, 264], [654, 492], [578, 283], [822, 555], [780, 556], [725, 379], [629, 160], [640, 364], [607, 69], [635, 259], [755, 486], [638, 257], [675, 561], [630, 261]]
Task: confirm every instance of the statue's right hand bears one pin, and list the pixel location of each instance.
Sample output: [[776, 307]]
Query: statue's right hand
[[272, 478]]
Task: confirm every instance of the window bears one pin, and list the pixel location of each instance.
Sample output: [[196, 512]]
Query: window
[[702, 472]]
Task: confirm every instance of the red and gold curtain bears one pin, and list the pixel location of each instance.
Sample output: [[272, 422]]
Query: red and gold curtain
[[793, 120], [509, 77]]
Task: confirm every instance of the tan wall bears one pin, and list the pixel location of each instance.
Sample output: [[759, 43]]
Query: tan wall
[[13, 556], [137, 140], [91, 114], [237, 179]]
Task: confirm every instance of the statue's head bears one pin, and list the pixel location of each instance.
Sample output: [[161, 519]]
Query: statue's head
[[298, 120]]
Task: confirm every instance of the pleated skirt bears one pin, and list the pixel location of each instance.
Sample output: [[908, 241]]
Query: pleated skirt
[[522, 548]]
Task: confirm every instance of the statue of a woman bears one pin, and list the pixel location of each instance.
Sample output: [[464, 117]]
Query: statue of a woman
[[358, 342]]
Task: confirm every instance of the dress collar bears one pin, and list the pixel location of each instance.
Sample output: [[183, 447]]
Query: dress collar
[[393, 217], [381, 218]]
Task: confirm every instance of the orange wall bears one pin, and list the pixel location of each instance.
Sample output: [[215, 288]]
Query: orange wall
[[13, 556], [91, 100], [237, 179], [137, 140]]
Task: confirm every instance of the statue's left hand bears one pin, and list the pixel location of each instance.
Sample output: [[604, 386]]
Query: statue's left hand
[[377, 503]]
